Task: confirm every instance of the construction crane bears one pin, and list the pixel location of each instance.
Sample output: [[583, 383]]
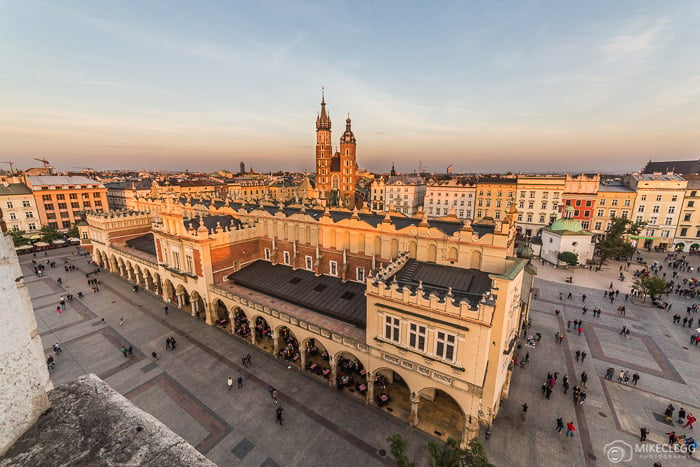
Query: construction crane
[[12, 166], [43, 161]]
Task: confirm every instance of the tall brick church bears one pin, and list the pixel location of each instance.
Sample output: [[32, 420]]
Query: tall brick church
[[336, 173]]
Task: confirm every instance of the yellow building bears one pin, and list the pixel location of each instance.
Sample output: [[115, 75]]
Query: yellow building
[[539, 198], [687, 236], [658, 203], [613, 199], [494, 196], [368, 302]]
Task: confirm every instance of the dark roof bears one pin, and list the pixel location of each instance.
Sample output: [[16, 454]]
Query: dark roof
[[679, 167], [500, 180], [469, 284], [14, 189], [211, 222], [144, 243], [327, 295]]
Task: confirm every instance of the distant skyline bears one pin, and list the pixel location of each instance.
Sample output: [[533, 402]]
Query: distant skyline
[[490, 86]]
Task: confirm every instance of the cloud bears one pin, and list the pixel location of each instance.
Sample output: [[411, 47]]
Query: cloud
[[638, 41]]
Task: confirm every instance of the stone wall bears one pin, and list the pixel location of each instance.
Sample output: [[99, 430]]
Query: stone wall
[[24, 378]]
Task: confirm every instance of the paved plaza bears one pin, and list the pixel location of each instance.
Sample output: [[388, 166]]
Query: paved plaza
[[187, 388], [656, 349]]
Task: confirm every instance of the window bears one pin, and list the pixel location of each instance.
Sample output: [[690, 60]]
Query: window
[[628, 202], [60, 197], [26, 204], [602, 202], [32, 226], [576, 213], [532, 194], [674, 198], [62, 206], [601, 212], [613, 212], [86, 195], [684, 231], [545, 195], [598, 225], [86, 204], [445, 345], [334, 268], [639, 219], [640, 208], [66, 224], [529, 217], [498, 214], [416, 336], [77, 214], [29, 214], [625, 213], [13, 216], [176, 259], [521, 204], [697, 234], [267, 254], [48, 207], [686, 218], [46, 197], [671, 209], [586, 213], [585, 224], [544, 204], [665, 233], [286, 257], [669, 220], [691, 204], [541, 218], [531, 205], [51, 215], [64, 214], [653, 220], [361, 274], [96, 194], [589, 203], [520, 217], [392, 328], [522, 194], [98, 202], [556, 195], [308, 260], [655, 208], [189, 264], [658, 197], [73, 196], [75, 205]]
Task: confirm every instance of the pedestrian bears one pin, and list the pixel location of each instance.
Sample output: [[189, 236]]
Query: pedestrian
[[240, 382], [643, 432], [538, 335], [279, 415], [561, 338], [121, 321], [583, 297], [167, 343], [624, 328], [123, 349], [58, 309], [548, 392], [154, 355], [582, 397], [229, 382], [166, 309], [635, 378], [578, 355], [172, 343], [569, 296], [560, 425], [561, 296], [570, 428], [583, 356], [681, 415], [248, 359], [244, 362], [584, 379], [556, 336], [527, 356], [131, 350], [568, 325], [580, 330], [274, 395], [690, 420]]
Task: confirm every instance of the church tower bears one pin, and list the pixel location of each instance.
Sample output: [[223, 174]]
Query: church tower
[[348, 165], [324, 151]]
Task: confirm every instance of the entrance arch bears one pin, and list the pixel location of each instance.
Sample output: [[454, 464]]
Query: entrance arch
[[221, 314], [183, 299], [316, 358], [263, 335], [439, 414], [241, 324], [388, 390], [287, 345], [168, 291], [197, 304], [351, 374]]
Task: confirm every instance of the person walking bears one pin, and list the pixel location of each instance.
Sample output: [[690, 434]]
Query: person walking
[[583, 297], [240, 382], [621, 376], [635, 378], [274, 395], [524, 412], [229, 382], [689, 421], [560, 425], [570, 429], [681, 415], [565, 383], [578, 355], [643, 432], [167, 343], [583, 356], [166, 309], [154, 355], [279, 412], [121, 321], [124, 351], [584, 379]]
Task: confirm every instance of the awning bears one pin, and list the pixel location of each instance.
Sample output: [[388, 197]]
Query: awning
[[24, 247], [58, 241], [35, 237], [73, 239], [643, 238], [41, 244]]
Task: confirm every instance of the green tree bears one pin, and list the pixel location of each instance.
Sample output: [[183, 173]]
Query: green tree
[[613, 243], [451, 455], [73, 231], [649, 285], [18, 237], [398, 447], [49, 233], [568, 257]]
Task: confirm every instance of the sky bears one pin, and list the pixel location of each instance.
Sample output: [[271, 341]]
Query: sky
[[492, 86]]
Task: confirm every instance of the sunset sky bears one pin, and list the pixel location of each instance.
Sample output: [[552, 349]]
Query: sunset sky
[[484, 86]]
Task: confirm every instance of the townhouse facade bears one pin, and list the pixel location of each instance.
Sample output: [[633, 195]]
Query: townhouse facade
[[539, 200], [687, 235], [457, 196], [613, 199], [399, 193], [494, 196], [62, 200], [18, 207]]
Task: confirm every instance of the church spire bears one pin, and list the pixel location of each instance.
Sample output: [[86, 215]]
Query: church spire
[[322, 121]]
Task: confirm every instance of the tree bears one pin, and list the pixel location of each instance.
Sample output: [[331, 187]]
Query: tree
[[18, 237], [451, 455], [49, 233], [649, 285], [568, 257], [613, 243], [398, 447], [73, 231]]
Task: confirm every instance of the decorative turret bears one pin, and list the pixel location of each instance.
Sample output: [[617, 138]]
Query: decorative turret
[[323, 122], [348, 136]]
